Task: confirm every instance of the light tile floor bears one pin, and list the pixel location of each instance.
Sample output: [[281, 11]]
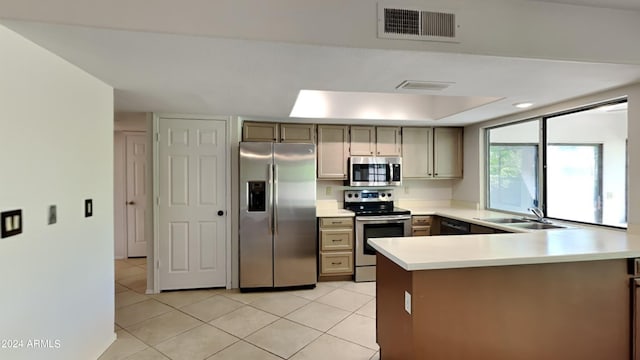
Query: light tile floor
[[336, 320]]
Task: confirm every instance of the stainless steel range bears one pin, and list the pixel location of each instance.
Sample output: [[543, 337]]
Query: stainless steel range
[[376, 216]]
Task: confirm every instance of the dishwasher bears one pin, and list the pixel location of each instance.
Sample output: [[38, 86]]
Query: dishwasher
[[453, 227]]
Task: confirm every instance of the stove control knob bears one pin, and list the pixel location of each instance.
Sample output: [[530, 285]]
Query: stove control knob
[[349, 196], [382, 194], [356, 195], [389, 194]]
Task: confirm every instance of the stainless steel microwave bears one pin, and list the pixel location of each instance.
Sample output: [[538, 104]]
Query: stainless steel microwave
[[375, 171]]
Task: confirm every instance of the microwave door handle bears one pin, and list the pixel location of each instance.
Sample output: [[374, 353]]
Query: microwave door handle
[[390, 172]]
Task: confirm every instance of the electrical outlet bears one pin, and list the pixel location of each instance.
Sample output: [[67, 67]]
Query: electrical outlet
[[328, 190], [10, 223], [406, 189], [88, 208], [53, 215], [407, 302]]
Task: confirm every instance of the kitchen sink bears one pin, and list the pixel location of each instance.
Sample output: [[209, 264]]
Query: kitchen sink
[[506, 220], [537, 226]]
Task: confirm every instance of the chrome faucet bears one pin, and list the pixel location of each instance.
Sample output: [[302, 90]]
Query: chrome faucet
[[539, 214]]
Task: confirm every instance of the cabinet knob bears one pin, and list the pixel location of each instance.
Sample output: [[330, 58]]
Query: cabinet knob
[[131, 203]]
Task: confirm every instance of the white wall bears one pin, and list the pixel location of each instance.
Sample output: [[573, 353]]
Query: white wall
[[471, 188], [56, 147]]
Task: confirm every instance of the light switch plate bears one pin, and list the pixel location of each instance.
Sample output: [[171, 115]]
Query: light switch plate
[[407, 302], [53, 214], [10, 223], [88, 208]]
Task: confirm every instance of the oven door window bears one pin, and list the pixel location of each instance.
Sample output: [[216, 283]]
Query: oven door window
[[380, 230], [370, 172]]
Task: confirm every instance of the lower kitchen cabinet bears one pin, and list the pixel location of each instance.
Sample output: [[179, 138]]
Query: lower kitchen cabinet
[[421, 225], [479, 229], [336, 263], [336, 247]]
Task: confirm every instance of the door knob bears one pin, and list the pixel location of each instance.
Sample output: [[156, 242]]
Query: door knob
[[220, 212], [131, 203]]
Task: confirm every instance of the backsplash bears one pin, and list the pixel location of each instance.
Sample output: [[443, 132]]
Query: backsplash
[[426, 190]]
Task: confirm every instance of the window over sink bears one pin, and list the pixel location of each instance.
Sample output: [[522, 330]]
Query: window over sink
[[573, 165]]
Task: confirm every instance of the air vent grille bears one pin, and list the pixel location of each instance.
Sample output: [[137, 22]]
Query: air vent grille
[[417, 24], [438, 24], [423, 85], [401, 21]]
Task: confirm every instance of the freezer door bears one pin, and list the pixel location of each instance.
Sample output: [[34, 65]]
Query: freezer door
[[295, 244], [256, 214]]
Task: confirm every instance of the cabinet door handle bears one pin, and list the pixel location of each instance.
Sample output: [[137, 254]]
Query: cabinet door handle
[[336, 263], [336, 222], [336, 240]]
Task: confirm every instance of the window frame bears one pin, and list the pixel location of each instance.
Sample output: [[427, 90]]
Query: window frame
[[488, 171], [542, 159], [599, 180]]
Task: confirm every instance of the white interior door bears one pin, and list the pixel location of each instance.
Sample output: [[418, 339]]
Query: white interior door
[[192, 203], [136, 158]]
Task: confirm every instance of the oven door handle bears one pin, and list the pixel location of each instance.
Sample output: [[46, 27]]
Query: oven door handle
[[383, 218]]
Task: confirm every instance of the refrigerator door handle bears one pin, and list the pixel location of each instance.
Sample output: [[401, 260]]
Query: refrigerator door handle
[[270, 207], [275, 196]]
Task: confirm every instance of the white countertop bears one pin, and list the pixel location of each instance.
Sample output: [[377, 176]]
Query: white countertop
[[527, 247], [328, 212]]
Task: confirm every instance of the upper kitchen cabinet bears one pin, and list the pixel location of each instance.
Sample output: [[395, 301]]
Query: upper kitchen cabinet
[[431, 153], [333, 151], [260, 131], [447, 152], [363, 140], [274, 132], [375, 141], [298, 133], [388, 141], [417, 152]]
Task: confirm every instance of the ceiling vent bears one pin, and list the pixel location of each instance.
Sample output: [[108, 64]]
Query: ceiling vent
[[423, 85], [408, 23]]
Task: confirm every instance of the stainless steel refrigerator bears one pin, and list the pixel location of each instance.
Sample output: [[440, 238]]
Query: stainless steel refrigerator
[[278, 246]]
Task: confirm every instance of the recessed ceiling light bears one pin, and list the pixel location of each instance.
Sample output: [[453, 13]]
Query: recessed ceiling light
[[523, 105]]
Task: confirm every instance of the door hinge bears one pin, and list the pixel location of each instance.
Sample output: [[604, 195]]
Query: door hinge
[[157, 137], [158, 200], [158, 264]]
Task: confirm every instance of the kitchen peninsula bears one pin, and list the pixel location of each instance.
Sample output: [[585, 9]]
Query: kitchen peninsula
[[560, 294]]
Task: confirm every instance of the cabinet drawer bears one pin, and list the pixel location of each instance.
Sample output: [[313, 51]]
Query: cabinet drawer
[[421, 220], [421, 230], [336, 222], [336, 239], [336, 263]]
